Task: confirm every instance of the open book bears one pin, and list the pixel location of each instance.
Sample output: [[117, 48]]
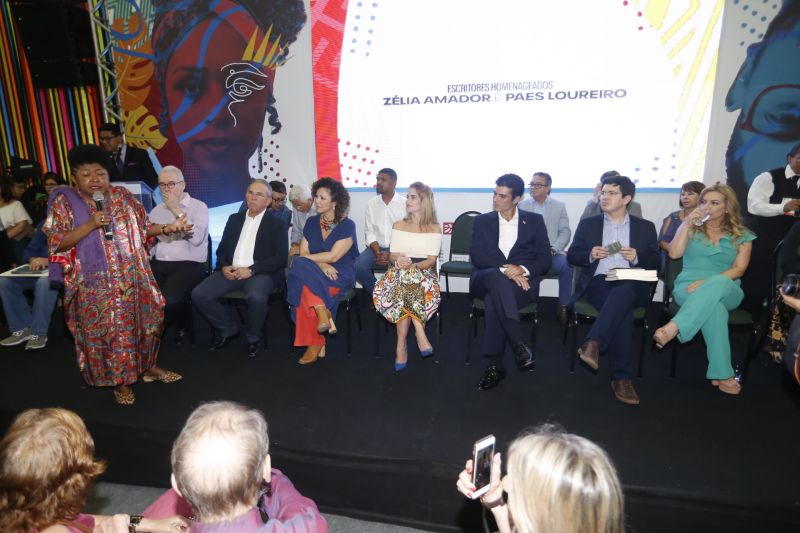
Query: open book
[[636, 274]]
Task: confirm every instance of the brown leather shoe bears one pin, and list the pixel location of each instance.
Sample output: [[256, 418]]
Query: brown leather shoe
[[311, 355], [561, 314], [625, 392], [589, 352]]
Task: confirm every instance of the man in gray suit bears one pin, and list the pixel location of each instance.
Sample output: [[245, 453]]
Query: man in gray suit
[[557, 223]]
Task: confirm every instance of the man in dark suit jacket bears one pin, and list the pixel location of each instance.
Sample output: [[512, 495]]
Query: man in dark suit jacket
[[251, 257], [128, 163], [510, 250], [612, 332]]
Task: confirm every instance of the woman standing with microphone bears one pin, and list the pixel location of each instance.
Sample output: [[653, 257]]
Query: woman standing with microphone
[[97, 237]]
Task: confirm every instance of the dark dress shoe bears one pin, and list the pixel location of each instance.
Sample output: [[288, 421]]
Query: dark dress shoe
[[526, 362], [253, 348], [589, 352], [223, 342], [561, 314], [491, 378], [624, 392]]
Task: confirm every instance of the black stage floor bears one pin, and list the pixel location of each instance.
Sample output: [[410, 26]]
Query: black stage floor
[[366, 442]]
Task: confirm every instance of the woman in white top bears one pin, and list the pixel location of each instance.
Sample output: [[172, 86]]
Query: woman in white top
[[14, 220], [410, 288]]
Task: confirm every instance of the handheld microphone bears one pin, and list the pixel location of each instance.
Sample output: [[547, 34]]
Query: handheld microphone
[[98, 202]]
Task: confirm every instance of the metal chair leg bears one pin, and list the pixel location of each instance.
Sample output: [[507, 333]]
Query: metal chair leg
[[473, 325]]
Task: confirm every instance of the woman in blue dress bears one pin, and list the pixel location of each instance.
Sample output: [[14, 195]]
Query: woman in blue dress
[[715, 255], [325, 268]]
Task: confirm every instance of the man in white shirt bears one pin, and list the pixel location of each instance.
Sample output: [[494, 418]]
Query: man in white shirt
[[251, 257], [382, 212], [302, 208], [773, 202], [556, 221], [510, 251]]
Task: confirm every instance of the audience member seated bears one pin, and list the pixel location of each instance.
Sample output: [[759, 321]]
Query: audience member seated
[[14, 220], [556, 221], [251, 257], [772, 195], [48, 469], [555, 482], [181, 258], [510, 250], [637, 246], [690, 193], [409, 292], [593, 204], [782, 315], [26, 325], [303, 207], [128, 163], [325, 268], [38, 210], [278, 206], [222, 475], [381, 213], [791, 356], [715, 255]]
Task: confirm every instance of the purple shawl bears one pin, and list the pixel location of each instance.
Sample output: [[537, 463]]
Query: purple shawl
[[89, 250]]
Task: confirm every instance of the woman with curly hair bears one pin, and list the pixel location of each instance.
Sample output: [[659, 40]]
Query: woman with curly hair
[[215, 62], [47, 469], [325, 268], [715, 247]]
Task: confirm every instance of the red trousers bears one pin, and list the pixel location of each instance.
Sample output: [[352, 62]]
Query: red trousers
[[306, 318]]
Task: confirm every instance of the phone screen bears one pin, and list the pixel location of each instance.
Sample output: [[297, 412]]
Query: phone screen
[[482, 464]]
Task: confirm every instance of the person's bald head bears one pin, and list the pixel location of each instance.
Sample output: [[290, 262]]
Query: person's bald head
[[220, 459]]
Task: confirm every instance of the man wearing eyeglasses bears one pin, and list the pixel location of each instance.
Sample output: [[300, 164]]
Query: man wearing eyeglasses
[[128, 163], [181, 259], [278, 207], [613, 239], [556, 221]]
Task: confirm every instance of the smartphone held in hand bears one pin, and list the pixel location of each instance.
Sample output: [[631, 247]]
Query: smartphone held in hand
[[482, 454]]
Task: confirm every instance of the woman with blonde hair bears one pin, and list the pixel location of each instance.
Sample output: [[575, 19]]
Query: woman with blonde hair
[[409, 292], [556, 482], [47, 469], [715, 247]]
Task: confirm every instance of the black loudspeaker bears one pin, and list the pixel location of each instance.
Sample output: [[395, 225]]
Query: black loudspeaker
[[57, 38]]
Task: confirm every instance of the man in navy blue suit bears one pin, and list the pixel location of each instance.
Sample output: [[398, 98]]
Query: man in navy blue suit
[[510, 250], [613, 239]]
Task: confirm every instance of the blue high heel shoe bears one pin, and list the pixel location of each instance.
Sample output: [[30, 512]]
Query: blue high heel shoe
[[426, 353], [399, 366]]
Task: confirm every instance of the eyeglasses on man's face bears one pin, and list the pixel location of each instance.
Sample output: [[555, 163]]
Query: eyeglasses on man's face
[[539, 185], [169, 185]]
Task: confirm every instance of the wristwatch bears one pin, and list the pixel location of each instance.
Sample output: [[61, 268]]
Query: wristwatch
[[134, 522]]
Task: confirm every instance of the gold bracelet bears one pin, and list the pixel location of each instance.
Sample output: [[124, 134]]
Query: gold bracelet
[[164, 229]]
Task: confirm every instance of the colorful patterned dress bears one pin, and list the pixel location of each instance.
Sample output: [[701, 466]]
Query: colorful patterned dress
[[116, 315], [410, 292]]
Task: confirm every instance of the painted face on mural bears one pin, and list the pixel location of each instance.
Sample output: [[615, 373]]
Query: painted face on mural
[[217, 102], [767, 91]]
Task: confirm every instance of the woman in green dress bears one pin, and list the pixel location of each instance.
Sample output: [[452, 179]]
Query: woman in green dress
[[715, 247]]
